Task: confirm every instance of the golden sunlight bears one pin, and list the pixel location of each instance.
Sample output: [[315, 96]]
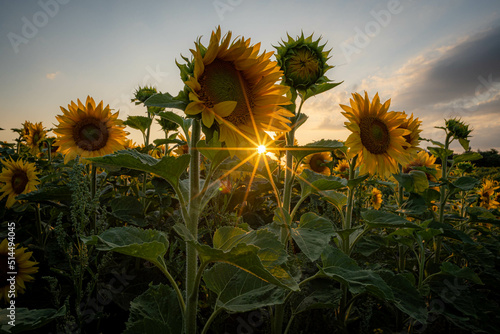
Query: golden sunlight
[[261, 149]]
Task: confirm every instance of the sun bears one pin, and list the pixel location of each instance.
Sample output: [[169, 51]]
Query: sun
[[89, 130], [261, 149]]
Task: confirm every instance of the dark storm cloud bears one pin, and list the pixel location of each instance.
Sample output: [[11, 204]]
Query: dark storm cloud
[[465, 70]]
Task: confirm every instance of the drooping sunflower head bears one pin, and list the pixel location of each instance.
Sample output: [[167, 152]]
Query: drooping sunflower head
[[89, 130], [303, 62], [35, 134], [23, 266], [317, 162], [376, 198], [377, 138], [234, 90], [17, 177], [342, 168], [424, 159], [413, 138]]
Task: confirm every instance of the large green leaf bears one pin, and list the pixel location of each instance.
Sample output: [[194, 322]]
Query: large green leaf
[[465, 183], [48, 193], [415, 181], [28, 320], [170, 168], [406, 296], [257, 252], [240, 291], [335, 198], [156, 311], [318, 89], [383, 219], [338, 266], [467, 156], [311, 182], [213, 151], [317, 294], [150, 245], [465, 272], [313, 234], [165, 100], [141, 123], [128, 209]]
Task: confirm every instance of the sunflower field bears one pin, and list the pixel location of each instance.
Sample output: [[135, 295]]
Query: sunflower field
[[227, 225]]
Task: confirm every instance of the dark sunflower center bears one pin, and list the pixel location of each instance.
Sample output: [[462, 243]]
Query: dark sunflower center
[[90, 134], [4, 269], [317, 163], [374, 135], [19, 181], [220, 82]]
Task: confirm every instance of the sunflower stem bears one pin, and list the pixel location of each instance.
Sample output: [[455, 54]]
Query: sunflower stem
[[38, 224], [93, 186], [350, 198], [443, 195], [192, 225]]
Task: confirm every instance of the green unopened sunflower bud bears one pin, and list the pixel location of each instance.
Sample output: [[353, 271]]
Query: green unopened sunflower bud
[[166, 124], [465, 166], [457, 128], [143, 93], [303, 62]]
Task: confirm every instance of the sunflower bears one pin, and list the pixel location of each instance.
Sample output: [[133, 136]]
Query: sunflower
[[376, 198], [376, 137], [34, 136], [22, 266], [486, 193], [413, 138], [317, 162], [25, 131], [303, 62], [18, 177], [424, 159], [235, 86], [89, 130], [342, 168]]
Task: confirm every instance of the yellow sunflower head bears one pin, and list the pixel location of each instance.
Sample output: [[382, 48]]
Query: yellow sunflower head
[[376, 198], [23, 266], [234, 90], [25, 131], [303, 62], [377, 138], [35, 134], [317, 162], [413, 138], [342, 168], [424, 159], [487, 198], [17, 177], [87, 130]]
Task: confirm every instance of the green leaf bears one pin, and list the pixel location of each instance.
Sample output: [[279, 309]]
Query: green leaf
[[465, 272], [150, 245], [415, 181], [164, 141], [338, 266], [27, 320], [440, 152], [313, 235], [213, 151], [300, 152], [383, 219], [311, 182], [467, 156], [465, 143], [141, 123], [128, 209], [170, 168], [353, 183], [184, 123], [240, 291], [334, 197], [58, 193], [406, 296], [317, 294], [466, 183], [318, 89], [155, 311], [257, 252], [165, 100]]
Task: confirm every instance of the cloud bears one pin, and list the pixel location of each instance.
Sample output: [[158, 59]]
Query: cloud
[[52, 76]]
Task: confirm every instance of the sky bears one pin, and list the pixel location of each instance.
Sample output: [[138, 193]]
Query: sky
[[435, 59]]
